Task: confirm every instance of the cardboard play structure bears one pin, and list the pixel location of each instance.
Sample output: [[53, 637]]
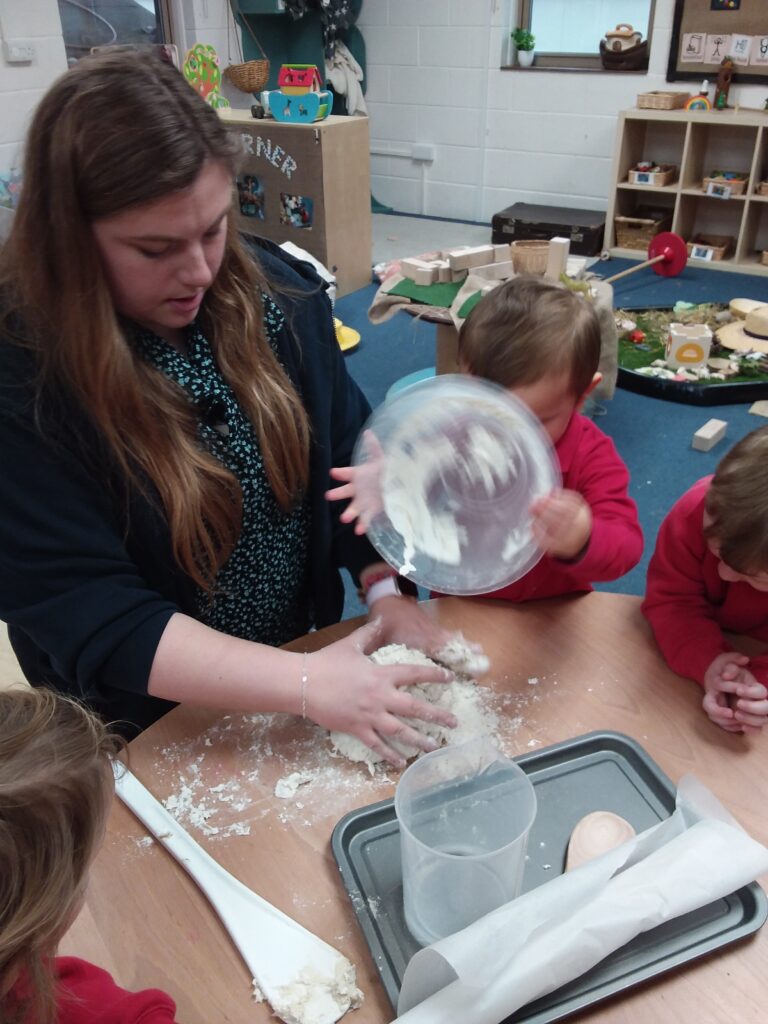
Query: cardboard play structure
[[308, 184]]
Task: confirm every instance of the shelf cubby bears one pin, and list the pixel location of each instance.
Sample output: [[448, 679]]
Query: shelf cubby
[[698, 143]]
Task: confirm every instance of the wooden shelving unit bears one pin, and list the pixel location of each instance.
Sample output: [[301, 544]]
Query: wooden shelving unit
[[697, 142]]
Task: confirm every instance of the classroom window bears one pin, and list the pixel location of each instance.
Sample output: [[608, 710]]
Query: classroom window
[[568, 34], [89, 23]]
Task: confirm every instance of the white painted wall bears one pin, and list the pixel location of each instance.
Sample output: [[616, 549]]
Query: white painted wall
[[499, 137], [22, 85]]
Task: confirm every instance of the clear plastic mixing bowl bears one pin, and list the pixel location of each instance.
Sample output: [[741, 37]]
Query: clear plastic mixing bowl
[[453, 465]]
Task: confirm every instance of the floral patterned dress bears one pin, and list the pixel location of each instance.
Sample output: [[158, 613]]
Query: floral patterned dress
[[261, 591]]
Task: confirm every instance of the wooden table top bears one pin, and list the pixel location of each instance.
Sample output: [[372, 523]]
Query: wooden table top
[[596, 667]]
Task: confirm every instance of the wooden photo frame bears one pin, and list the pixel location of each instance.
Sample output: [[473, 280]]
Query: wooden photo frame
[[699, 22]]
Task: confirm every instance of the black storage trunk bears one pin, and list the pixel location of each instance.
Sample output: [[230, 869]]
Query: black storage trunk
[[585, 228]]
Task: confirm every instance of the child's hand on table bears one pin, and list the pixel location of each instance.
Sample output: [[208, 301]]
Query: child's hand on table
[[361, 486], [562, 524], [733, 698], [404, 621]]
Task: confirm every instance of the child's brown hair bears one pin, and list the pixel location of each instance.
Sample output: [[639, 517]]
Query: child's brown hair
[[527, 328], [737, 505], [55, 790]]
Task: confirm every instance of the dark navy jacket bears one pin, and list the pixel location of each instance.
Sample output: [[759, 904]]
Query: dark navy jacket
[[87, 577]]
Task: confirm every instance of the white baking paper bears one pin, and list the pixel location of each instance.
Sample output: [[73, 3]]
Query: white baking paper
[[556, 933]]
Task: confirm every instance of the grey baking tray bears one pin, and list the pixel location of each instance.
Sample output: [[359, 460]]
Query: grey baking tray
[[600, 771]]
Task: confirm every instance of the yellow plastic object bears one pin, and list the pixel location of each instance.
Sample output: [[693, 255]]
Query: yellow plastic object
[[347, 337]]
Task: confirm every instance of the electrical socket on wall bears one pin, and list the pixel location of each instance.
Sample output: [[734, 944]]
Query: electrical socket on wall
[[422, 151], [19, 51]]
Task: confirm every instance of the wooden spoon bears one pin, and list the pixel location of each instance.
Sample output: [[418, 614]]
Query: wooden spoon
[[595, 834]]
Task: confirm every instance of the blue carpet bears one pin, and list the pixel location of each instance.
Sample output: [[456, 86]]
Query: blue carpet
[[653, 436], [646, 289]]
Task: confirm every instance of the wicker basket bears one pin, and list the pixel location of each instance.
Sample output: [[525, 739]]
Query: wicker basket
[[529, 256], [738, 186], [637, 232], [721, 246], [250, 76], [762, 188], [666, 174], [659, 100]]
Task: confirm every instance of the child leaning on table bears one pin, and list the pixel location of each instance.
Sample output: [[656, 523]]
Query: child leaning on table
[[55, 791], [709, 574], [542, 343]]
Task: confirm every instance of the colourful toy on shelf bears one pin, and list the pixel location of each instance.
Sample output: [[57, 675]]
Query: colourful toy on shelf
[[701, 100], [300, 98], [201, 69]]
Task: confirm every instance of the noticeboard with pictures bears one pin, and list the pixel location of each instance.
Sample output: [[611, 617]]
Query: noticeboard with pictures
[[704, 32]]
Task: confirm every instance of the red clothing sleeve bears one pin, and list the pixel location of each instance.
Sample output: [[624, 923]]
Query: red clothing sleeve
[[677, 603], [88, 995], [595, 470], [590, 465]]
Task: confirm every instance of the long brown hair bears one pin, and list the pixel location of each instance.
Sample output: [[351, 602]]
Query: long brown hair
[[116, 131], [526, 329], [55, 791]]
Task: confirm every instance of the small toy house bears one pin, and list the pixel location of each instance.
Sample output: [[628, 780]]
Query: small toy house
[[300, 97], [688, 345], [297, 79]]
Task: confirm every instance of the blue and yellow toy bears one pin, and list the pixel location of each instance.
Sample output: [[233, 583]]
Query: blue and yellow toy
[[300, 97]]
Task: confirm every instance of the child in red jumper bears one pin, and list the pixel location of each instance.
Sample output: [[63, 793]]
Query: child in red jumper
[[709, 574], [55, 791], [542, 343]]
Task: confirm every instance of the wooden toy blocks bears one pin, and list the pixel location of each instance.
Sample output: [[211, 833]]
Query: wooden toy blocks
[[707, 437]]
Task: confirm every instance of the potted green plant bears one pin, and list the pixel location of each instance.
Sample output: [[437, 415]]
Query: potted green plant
[[524, 42]]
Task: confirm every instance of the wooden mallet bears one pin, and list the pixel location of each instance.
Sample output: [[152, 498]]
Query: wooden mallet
[[667, 254]]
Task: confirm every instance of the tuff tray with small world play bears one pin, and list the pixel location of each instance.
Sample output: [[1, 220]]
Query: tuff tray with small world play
[[702, 354]]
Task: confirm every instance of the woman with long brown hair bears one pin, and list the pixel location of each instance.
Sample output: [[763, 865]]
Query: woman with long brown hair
[[171, 403]]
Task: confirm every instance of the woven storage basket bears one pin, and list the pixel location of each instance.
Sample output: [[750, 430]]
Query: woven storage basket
[[721, 245], [666, 174], [660, 100], [637, 232], [529, 256], [249, 75], [738, 186]]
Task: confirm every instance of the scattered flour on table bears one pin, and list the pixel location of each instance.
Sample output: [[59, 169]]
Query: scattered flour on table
[[462, 697], [461, 656], [223, 782], [287, 787]]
